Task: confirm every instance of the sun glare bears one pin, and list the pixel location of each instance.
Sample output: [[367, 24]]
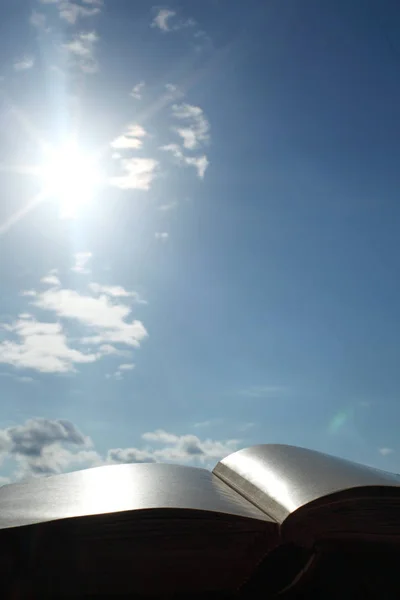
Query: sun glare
[[70, 177]]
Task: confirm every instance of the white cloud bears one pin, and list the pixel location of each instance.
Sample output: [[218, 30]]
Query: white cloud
[[129, 455], [139, 174], [82, 44], [385, 451], [161, 20], [82, 49], [107, 349], [161, 235], [131, 139], [81, 261], [29, 293], [24, 63], [160, 436], [196, 129], [188, 448], [200, 163], [41, 346], [119, 373], [125, 142], [44, 345], [52, 280], [137, 90], [30, 439], [168, 447], [115, 291], [43, 446], [126, 367], [105, 319], [57, 459]]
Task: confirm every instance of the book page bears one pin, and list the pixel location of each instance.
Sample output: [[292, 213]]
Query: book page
[[118, 488], [279, 479]]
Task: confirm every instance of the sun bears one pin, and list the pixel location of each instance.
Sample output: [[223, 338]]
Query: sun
[[70, 176]]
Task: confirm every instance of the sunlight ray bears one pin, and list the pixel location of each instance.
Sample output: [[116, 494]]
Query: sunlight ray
[[20, 214]]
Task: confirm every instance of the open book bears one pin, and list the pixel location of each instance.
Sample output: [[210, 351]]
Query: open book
[[259, 521]]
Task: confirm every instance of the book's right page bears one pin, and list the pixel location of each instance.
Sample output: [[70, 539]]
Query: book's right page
[[280, 479]]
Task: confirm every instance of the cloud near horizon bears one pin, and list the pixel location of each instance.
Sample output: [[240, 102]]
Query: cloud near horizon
[[42, 447]]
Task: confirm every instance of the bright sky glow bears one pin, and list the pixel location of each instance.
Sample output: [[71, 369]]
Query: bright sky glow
[[70, 177]]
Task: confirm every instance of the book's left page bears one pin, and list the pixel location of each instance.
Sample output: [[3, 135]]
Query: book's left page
[[117, 488]]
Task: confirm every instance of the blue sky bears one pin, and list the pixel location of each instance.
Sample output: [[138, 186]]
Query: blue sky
[[198, 231]]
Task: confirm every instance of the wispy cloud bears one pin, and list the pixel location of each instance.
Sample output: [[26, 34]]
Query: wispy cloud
[[165, 20], [137, 90], [173, 92], [131, 139], [24, 63], [126, 367], [122, 369], [82, 49], [385, 451], [81, 261], [38, 20], [168, 206], [196, 128], [18, 378], [161, 235], [194, 133], [115, 291], [138, 174], [71, 11], [52, 280], [200, 163], [202, 41], [208, 423]]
